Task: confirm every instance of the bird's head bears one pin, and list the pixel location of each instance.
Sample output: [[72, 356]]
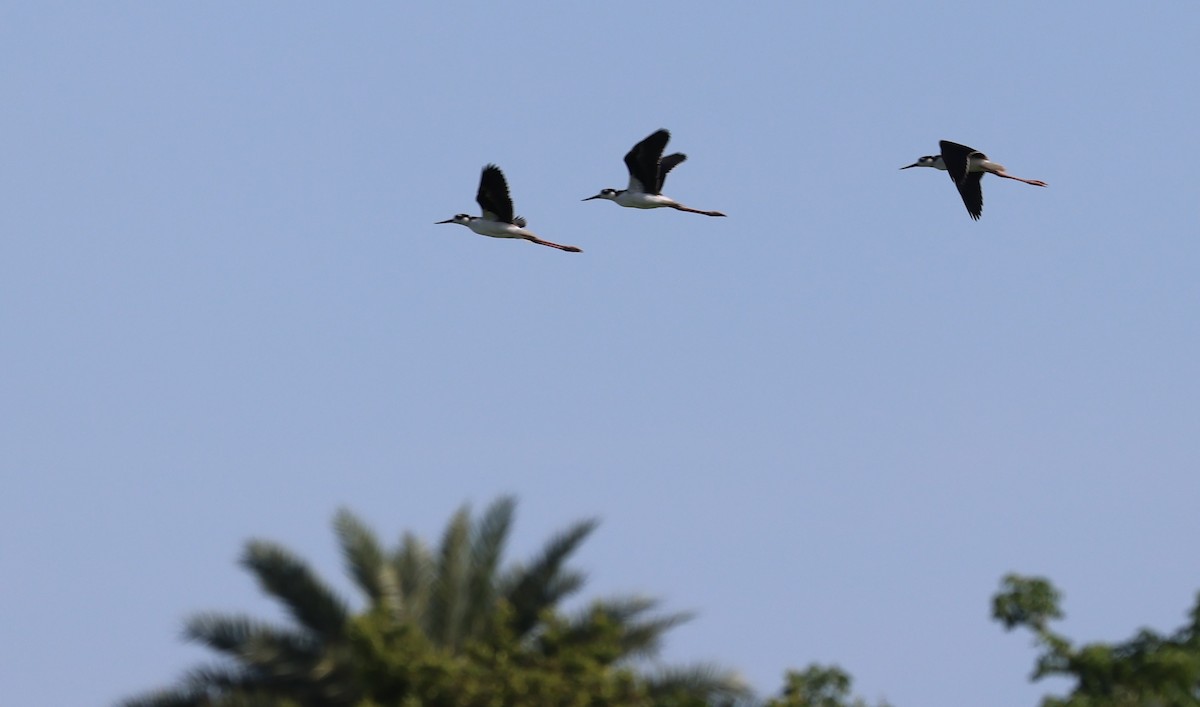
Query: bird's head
[[926, 161], [458, 218], [604, 194]]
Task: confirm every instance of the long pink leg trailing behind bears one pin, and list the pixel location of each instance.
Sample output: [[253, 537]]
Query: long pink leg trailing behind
[[1034, 182], [568, 248], [681, 207]]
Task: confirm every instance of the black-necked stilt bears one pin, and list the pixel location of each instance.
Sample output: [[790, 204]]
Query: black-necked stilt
[[967, 166], [498, 220], [647, 172]]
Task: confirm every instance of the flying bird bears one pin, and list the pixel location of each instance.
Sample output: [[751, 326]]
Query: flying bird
[[498, 220], [647, 171], [967, 166]]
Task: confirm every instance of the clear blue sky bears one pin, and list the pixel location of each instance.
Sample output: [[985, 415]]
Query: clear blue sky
[[828, 423]]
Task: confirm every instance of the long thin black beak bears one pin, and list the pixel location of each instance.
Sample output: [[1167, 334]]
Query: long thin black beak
[[914, 164], [449, 220], [592, 197]]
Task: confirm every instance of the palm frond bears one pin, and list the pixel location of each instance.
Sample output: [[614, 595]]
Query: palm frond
[[563, 585], [710, 683], [232, 688], [413, 566], [644, 638], [541, 585], [235, 634], [637, 637], [258, 648], [224, 633], [446, 601], [217, 679], [314, 683], [255, 699], [167, 698], [488, 539], [627, 608], [640, 637], [366, 563], [287, 578], [208, 686]]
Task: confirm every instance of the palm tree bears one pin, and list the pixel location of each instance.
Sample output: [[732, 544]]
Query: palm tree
[[456, 597]]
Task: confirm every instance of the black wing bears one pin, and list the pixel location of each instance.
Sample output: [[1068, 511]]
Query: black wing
[[493, 195], [643, 160], [957, 158], [667, 164], [972, 193]]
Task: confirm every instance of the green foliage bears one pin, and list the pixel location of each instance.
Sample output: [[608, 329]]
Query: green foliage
[[1148, 670], [447, 626], [403, 667], [367, 563], [818, 686], [1025, 601]]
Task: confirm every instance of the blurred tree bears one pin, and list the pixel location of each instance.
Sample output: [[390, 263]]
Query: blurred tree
[[444, 627], [817, 686], [1148, 670]]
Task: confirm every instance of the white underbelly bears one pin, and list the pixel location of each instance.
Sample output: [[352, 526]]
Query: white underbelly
[[644, 201], [498, 230]]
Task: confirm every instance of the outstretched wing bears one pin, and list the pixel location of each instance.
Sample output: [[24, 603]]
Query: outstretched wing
[[958, 159], [668, 163], [958, 164], [493, 195], [971, 192], [642, 162]]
